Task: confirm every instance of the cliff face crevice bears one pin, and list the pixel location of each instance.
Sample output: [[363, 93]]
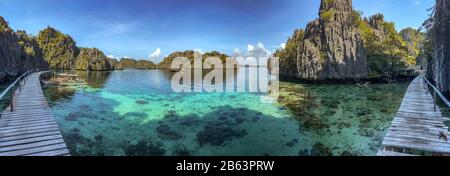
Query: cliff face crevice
[[440, 66], [18, 53], [332, 47]]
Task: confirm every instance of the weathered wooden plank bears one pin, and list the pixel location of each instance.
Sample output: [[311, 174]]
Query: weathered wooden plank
[[19, 133], [26, 129], [389, 153], [32, 145], [422, 147], [34, 150], [25, 119], [434, 139], [26, 122], [26, 136], [61, 152], [30, 140], [30, 125]]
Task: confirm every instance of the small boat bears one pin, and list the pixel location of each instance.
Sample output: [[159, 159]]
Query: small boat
[[69, 80]]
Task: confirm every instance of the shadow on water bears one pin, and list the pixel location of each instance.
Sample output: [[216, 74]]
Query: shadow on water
[[92, 133]]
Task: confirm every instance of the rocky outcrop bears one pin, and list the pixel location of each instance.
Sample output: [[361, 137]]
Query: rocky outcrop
[[19, 53], [126, 63], [60, 50], [288, 55], [189, 54], [377, 24], [332, 46], [439, 68], [92, 59]]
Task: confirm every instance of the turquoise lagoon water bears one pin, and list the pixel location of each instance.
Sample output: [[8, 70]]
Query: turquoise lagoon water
[[136, 112]]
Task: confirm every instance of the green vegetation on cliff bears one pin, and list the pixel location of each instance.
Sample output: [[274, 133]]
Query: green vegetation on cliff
[[126, 63], [92, 59], [3, 24], [60, 50], [189, 54], [387, 51], [288, 55]]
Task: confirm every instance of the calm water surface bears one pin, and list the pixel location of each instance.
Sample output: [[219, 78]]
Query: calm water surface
[[135, 112]]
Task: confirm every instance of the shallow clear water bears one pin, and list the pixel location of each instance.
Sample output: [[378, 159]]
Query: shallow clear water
[[136, 112]]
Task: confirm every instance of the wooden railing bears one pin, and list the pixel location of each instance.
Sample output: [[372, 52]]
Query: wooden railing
[[436, 93], [13, 86]]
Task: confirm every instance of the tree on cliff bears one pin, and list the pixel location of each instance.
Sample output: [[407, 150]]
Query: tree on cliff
[[60, 50], [387, 51], [288, 55]]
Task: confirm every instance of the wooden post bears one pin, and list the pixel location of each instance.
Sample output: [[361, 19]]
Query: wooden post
[[12, 100], [435, 103]]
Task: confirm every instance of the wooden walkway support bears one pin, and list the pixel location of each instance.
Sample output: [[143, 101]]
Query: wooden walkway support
[[30, 129], [418, 125]]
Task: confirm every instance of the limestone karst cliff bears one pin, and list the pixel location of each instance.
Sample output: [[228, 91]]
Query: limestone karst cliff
[[126, 63], [288, 55], [19, 53], [92, 59], [332, 46], [189, 54], [60, 50], [439, 69]]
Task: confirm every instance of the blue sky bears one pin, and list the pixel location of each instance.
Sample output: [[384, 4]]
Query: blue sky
[[140, 28]]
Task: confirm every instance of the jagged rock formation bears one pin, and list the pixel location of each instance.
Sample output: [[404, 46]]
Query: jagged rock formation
[[414, 42], [388, 53], [332, 47], [189, 54], [288, 56], [60, 50], [126, 63], [414, 39], [92, 59], [440, 65], [18, 53]]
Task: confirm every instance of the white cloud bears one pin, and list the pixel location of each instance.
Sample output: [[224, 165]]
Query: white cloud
[[283, 45], [236, 53], [199, 51], [156, 56], [258, 52]]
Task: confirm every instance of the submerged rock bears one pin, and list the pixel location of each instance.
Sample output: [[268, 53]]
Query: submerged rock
[[321, 150], [292, 143], [216, 134], [181, 151], [136, 114], [144, 148], [166, 133], [190, 121], [141, 102], [74, 116]]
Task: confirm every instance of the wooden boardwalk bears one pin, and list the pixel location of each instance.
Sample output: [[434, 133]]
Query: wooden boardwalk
[[417, 126], [31, 129]]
